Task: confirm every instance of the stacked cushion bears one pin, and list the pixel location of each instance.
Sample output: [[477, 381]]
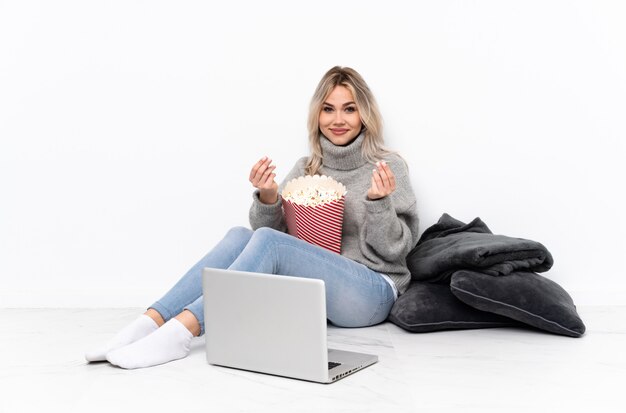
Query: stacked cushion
[[523, 296], [427, 307], [466, 277]]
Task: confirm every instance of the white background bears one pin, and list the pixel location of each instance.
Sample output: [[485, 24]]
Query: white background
[[128, 129]]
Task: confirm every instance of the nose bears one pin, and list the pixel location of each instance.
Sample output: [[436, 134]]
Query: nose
[[338, 118]]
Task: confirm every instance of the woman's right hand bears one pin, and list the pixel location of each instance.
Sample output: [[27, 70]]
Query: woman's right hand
[[262, 178]]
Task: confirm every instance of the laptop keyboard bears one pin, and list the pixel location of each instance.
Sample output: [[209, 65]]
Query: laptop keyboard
[[332, 365]]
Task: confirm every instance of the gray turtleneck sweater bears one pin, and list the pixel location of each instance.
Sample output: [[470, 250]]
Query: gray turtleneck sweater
[[376, 233]]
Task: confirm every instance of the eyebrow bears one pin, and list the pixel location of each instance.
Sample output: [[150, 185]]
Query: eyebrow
[[344, 105]]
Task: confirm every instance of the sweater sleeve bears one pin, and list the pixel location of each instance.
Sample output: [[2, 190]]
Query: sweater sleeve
[[271, 215], [391, 223]]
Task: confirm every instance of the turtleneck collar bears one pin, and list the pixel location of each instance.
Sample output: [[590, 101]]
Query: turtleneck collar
[[343, 158]]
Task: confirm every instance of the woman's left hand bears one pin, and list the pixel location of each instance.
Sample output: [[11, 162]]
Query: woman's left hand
[[383, 181]]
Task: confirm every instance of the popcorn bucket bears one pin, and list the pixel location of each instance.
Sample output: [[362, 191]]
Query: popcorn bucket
[[313, 208]]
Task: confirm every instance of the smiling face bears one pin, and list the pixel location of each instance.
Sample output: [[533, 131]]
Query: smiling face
[[339, 118]]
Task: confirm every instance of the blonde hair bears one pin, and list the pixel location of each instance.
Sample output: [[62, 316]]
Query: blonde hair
[[373, 148]]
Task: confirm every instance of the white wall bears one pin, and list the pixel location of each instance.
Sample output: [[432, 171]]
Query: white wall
[[128, 128]]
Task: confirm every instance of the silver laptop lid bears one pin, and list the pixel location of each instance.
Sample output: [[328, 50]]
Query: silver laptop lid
[[266, 323]]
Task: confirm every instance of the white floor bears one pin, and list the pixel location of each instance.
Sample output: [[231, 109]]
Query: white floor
[[501, 370]]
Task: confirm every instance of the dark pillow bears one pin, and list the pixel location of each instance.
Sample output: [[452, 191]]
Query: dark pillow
[[522, 296], [428, 307]]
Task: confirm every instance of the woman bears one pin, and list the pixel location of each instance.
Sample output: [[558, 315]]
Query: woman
[[380, 227]]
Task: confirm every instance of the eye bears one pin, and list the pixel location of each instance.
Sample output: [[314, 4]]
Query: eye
[[327, 109], [351, 109]]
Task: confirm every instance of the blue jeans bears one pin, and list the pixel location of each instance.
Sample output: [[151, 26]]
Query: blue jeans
[[355, 295]]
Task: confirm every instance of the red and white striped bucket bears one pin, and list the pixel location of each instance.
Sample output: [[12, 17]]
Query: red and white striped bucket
[[321, 224]]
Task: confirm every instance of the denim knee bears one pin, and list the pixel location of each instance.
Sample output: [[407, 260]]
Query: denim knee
[[239, 232], [265, 236], [266, 232]]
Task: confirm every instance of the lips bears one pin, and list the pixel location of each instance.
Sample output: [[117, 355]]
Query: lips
[[339, 131]]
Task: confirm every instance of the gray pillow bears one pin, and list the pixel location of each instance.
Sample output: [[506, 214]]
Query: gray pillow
[[523, 296], [426, 307], [451, 245]]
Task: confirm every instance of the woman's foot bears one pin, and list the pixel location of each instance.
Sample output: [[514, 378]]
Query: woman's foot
[[170, 342], [140, 328]]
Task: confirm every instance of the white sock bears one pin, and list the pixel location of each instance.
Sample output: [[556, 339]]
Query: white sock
[[170, 342], [139, 328]]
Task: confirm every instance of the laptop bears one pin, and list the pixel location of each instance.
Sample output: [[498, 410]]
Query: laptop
[[272, 324]]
